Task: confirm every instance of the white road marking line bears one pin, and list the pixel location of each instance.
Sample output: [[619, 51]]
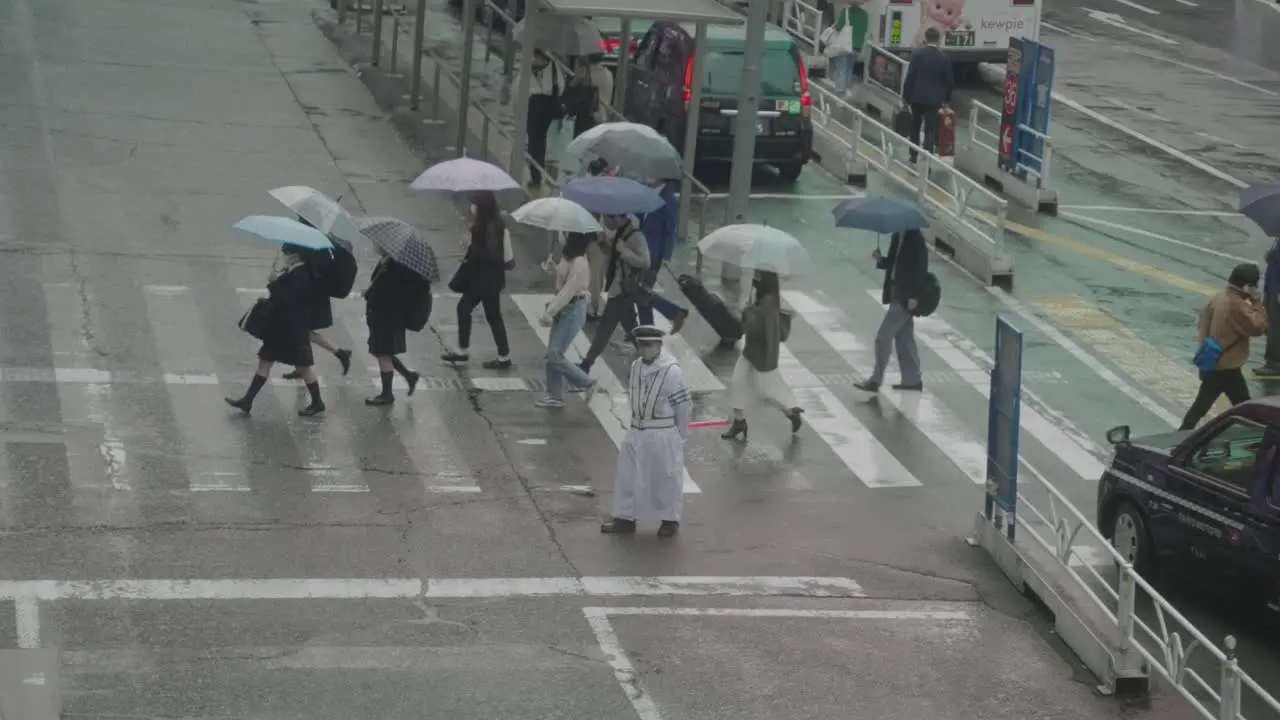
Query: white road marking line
[[1134, 109], [27, 619], [623, 671], [430, 588], [609, 404], [1117, 21], [1153, 236], [1151, 211], [1219, 140], [1202, 70], [791, 196], [1064, 31], [1136, 6], [1188, 3], [697, 376], [324, 443], [1270, 4], [963, 613], [947, 431], [848, 438], [1073, 448], [208, 445], [107, 466], [1174, 152], [1079, 353]]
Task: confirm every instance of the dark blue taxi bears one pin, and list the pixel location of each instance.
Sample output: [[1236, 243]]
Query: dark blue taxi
[[1203, 503]]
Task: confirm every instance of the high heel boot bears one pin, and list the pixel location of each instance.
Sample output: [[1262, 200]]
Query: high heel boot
[[738, 427]]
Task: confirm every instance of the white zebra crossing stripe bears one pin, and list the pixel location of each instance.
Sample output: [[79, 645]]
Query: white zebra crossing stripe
[[947, 431], [936, 334], [610, 405], [207, 442], [848, 438]]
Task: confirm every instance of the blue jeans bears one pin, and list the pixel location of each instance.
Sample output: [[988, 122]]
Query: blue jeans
[[564, 329], [841, 69], [668, 309]]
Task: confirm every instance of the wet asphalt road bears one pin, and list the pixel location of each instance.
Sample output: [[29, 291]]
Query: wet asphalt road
[[192, 563]]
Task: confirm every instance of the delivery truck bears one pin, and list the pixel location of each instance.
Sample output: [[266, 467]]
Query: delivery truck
[[973, 31]]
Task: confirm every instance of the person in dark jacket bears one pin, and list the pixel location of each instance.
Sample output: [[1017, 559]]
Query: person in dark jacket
[[1270, 367], [756, 378], [287, 337], [321, 309], [927, 90], [394, 293], [905, 270], [660, 230], [480, 280]]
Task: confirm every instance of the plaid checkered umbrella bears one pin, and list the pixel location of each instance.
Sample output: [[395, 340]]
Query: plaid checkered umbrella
[[401, 242]]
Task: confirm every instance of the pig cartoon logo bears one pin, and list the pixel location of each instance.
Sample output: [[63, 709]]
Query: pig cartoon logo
[[941, 14]]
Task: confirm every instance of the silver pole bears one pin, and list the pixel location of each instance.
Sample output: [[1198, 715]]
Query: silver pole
[[419, 38], [744, 128], [624, 67], [520, 111], [464, 86], [692, 119], [377, 32]]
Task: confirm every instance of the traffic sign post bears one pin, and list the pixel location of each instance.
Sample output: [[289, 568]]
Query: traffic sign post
[[1009, 111], [1003, 419]]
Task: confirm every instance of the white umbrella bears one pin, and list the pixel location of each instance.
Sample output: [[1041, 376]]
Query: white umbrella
[[757, 247], [564, 36], [324, 213], [557, 214], [638, 149], [464, 175]]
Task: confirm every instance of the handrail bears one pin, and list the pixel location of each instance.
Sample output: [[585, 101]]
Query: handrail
[[1058, 532], [934, 181], [807, 21], [978, 133], [702, 193]]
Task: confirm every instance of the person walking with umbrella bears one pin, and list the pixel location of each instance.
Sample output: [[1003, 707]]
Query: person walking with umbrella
[[566, 314], [282, 321], [481, 278], [398, 299]]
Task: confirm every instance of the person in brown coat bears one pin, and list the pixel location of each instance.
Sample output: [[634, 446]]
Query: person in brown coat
[[756, 377], [1230, 318]]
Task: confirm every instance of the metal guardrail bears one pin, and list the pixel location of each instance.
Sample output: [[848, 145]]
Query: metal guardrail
[[979, 135], [1170, 641], [934, 182], [805, 23], [701, 194]]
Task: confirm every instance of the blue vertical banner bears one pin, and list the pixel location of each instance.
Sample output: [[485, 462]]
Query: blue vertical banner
[[1009, 106], [1038, 120], [1003, 421]]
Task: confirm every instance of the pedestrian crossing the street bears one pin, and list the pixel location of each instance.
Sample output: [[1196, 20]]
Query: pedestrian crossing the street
[[119, 420]]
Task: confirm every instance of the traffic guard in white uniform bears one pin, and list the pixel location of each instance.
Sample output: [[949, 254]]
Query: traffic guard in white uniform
[[650, 479]]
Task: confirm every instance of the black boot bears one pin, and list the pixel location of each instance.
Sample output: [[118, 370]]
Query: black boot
[[317, 405], [668, 528], [344, 357], [796, 421], [245, 403], [618, 526], [738, 427], [385, 397], [410, 376]]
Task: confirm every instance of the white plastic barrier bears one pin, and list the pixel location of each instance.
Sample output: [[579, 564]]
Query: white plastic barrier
[[1121, 628], [968, 219], [883, 75], [979, 155]]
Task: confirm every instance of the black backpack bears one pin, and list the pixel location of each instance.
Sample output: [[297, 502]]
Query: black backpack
[[418, 313], [340, 275], [930, 297]]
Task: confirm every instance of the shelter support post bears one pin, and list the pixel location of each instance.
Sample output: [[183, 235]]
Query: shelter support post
[[377, 32], [419, 34], [624, 67], [520, 94], [464, 85], [692, 120], [744, 127]]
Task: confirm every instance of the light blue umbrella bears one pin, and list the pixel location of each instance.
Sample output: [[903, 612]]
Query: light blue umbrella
[[612, 195], [283, 230], [879, 215]]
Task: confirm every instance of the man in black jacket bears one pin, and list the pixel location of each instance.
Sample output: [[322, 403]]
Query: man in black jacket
[[905, 270], [927, 90]]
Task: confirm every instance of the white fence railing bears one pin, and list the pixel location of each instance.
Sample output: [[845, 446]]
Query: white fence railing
[[967, 204], [805, 23], [1171, 645], [987, 139]]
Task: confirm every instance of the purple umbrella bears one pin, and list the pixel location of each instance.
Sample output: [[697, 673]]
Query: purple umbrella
[[1261, 204]]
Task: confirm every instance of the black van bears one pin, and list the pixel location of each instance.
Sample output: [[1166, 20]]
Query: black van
[[660, 80]]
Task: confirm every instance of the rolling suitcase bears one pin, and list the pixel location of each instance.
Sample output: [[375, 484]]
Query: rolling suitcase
[[710, 306]]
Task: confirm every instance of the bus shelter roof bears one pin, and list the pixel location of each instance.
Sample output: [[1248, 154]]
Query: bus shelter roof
[[683, 11]]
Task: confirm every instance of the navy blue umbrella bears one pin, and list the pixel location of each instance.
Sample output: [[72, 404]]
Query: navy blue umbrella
[[879, 215], [1261, 204], [612, 195]]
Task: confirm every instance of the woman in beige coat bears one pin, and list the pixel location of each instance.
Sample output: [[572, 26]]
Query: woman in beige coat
[[755, 376]]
